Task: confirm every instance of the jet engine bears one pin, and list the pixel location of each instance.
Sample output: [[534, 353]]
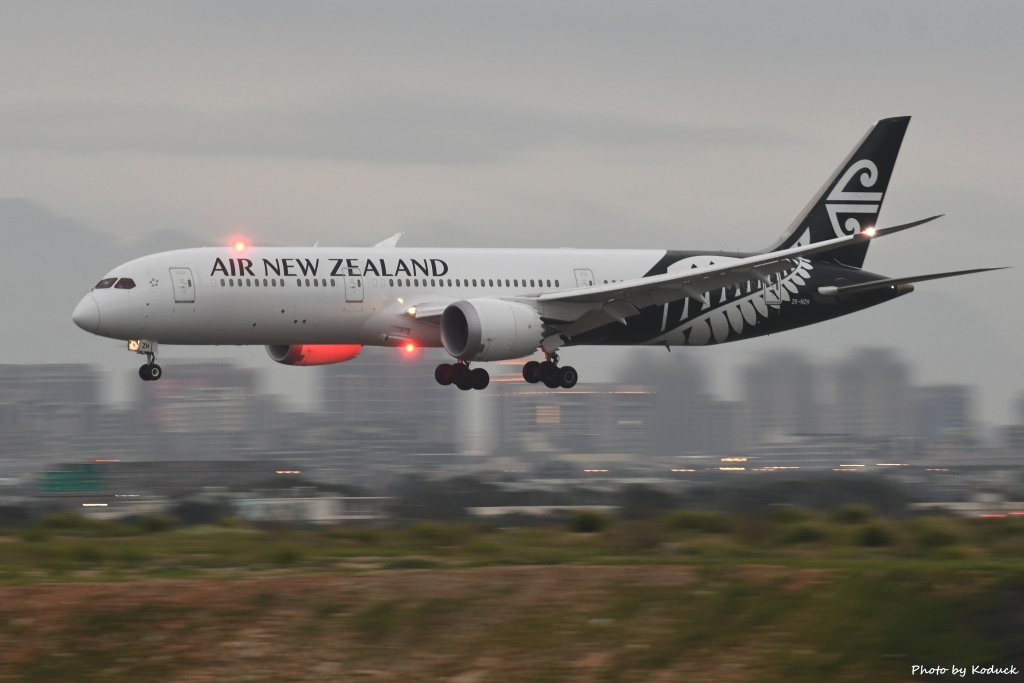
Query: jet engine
[[313, 354], [490, 329]]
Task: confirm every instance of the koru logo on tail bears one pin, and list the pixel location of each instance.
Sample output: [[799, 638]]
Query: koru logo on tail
[[858, 207]]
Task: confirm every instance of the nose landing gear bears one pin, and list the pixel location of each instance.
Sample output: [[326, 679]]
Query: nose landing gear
[[460, 375], [550, 373], [149, 371]]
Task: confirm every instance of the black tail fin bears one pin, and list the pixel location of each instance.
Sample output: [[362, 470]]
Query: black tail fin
[[852, 197]]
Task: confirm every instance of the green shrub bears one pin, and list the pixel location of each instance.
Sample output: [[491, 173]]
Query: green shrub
[[631, 537], [34, 534], [788, 514], [154, 524], [852, 514], [935, 532], [804, 533], [588, 522], [702, 522], [874, 535], [284, 556]]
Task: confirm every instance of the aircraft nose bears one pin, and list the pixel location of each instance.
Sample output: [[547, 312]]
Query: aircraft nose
[[87, 314]]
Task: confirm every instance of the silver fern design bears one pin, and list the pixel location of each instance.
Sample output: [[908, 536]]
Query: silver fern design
[[729, 310]]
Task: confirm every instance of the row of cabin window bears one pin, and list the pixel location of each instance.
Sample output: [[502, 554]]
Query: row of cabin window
[[415, 282], [409, 282], [273, 282]]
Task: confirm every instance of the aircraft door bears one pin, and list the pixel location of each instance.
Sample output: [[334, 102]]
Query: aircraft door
[[584, 277], [353, 289], [184, 285]]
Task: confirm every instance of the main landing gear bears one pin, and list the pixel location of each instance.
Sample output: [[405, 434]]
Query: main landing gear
[[148, 371], [550, 373], [460, 375]]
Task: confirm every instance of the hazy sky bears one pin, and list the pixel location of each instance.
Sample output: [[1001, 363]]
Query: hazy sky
[[586, 124]]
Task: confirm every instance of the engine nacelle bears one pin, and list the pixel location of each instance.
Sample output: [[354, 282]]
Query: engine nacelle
[[490, 329], [313, 354]]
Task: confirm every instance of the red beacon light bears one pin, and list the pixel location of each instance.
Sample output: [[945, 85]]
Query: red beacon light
[[409, 348], [239, 244]]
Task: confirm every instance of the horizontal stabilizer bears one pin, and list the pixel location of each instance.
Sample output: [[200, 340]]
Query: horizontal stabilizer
[[847, 290]]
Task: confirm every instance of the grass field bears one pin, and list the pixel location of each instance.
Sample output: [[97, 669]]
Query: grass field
[[796, 596]]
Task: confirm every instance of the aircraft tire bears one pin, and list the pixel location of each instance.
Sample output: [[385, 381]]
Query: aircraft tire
[[531, 372], [479, 378], [568, 377], [546, 371], [461, 377], [153, 372], [144, 373], [552, 382], [444, 374]]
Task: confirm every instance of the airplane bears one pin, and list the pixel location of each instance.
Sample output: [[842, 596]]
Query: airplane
[[319, 305]]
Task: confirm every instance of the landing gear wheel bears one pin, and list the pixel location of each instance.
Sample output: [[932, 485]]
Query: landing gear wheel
[[444, 374], [552, 382], [151, 372], [461, 377], [479, 378], [531, 372], [547, 371], [568, 377]]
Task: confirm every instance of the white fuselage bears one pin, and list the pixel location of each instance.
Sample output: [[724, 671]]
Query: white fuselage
[[328, 295]]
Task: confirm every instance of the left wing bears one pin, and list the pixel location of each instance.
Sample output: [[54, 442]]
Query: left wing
[[660, 289]]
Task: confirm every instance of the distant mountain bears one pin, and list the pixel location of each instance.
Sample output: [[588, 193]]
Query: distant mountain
[[50, 262]]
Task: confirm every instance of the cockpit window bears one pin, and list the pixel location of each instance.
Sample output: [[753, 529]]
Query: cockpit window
[[106, 282], [125, 283]]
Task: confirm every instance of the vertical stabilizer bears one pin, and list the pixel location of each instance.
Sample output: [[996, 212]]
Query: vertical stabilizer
[[852, 197]]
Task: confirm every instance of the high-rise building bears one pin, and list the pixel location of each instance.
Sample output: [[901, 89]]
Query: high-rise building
[[872, 395], [781, 397], [943, 409]]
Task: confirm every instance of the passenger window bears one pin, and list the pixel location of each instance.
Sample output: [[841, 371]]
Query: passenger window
[[333, 284], [222, 282], [298, 283], [531, 283], [316, 283], [474, 282], [106, 283], [307, 282], [231, 283], [391, 282], [256, 282], [556, 283], [416, 282], [273, 282], [449, 282], [125, 283]]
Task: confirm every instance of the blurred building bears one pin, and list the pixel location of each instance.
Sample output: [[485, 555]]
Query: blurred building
[[942, 411], [46, 411], [872, 395], [780, 397], [388, 396]]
